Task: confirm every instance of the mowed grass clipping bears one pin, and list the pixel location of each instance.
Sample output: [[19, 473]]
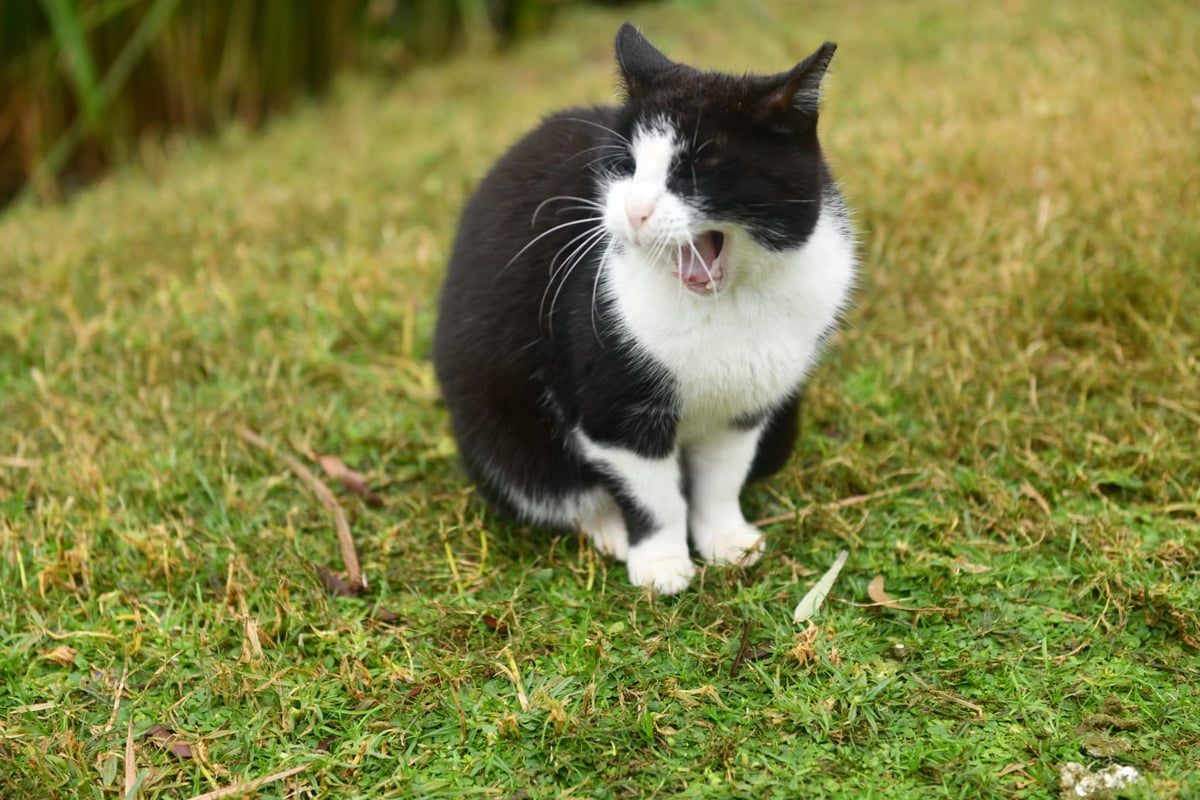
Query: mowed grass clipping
[[1004, 438]]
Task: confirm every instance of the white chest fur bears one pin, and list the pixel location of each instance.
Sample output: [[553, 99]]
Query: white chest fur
[[746, 349]]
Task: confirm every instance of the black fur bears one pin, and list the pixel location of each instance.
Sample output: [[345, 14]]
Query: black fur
[[525, 355]]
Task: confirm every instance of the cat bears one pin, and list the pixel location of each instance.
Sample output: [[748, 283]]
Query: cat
[[635, 296]]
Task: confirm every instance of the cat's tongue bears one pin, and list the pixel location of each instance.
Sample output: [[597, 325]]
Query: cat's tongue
[[699, 268]]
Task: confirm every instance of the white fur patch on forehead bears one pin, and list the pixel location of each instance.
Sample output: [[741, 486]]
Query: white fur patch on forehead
[[653, 151]]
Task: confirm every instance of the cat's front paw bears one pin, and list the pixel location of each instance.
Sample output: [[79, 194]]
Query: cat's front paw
[[665, 567], [742, 546]]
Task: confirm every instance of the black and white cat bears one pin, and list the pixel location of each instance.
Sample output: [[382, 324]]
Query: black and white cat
[[635, 296]]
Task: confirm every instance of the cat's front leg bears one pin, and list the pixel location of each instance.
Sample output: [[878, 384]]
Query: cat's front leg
[[648, 491], [717, 467]]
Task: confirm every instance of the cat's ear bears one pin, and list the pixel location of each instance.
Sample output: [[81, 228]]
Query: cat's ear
[[639, 61], [800, 88]]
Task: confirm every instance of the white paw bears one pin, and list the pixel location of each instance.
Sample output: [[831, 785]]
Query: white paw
[[668, 575], [742, 546]]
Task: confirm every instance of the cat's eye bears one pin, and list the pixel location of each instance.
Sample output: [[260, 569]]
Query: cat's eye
[[624, 164]]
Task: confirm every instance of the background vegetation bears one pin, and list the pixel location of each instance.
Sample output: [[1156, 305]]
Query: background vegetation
[[82, 81], [1005, 434]]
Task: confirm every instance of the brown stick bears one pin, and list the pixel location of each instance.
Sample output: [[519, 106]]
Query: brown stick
[[327, 498], [743, 647], [250, 786], [845, 502], [947, 696]]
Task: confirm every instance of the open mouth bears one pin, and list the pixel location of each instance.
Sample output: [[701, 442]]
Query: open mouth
[[700, 266]]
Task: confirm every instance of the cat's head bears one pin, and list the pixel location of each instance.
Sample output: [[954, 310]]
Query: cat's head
[[711, 167]]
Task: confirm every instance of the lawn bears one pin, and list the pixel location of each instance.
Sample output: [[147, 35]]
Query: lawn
[[1005, 433]]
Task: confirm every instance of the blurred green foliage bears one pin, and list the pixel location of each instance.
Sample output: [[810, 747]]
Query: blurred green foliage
[[82, 81]]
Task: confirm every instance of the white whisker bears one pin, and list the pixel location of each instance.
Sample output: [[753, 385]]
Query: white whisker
[[544, 234], [573, 261], [553, 261], [601, 127], [600, 267], [617, 147], [587, 203]]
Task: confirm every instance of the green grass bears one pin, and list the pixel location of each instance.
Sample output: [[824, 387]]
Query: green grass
[[1006, 431]]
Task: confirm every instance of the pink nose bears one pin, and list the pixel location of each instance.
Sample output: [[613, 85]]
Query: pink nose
[[639, 210]]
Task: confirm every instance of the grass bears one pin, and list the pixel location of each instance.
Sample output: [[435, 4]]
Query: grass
[[1006, 431]]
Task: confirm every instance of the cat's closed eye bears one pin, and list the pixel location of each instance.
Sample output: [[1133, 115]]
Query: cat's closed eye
[[623, 164]]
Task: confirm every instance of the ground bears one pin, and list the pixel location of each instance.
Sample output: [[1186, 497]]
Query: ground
[[1005, 433]]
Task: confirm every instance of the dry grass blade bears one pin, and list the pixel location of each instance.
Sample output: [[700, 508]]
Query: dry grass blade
[[130, 768], [327, 498], [16, 462], [250, 786]]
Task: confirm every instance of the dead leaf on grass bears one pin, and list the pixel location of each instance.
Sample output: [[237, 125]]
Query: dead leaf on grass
[[417, 688], [353, 481], [498, 625], [165, 738], [961, 564], [384, 615], [812, 602], [63, 655], [881, 598], [335, 584]]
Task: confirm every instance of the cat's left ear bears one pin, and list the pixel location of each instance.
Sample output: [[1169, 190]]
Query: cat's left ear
[[640, 62], [801, 86]]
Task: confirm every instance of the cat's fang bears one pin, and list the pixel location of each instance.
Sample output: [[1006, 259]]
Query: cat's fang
[[699, 266]]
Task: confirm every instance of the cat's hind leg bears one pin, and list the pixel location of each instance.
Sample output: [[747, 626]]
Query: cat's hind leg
[[605, 525], [717, 468]]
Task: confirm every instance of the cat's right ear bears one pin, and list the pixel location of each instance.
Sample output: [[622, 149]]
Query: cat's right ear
[[639, 61]]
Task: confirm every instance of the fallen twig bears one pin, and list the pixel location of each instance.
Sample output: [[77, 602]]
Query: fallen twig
[[947, 696], [327, 498], [743, 647], [250, 786], [845, 502]]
